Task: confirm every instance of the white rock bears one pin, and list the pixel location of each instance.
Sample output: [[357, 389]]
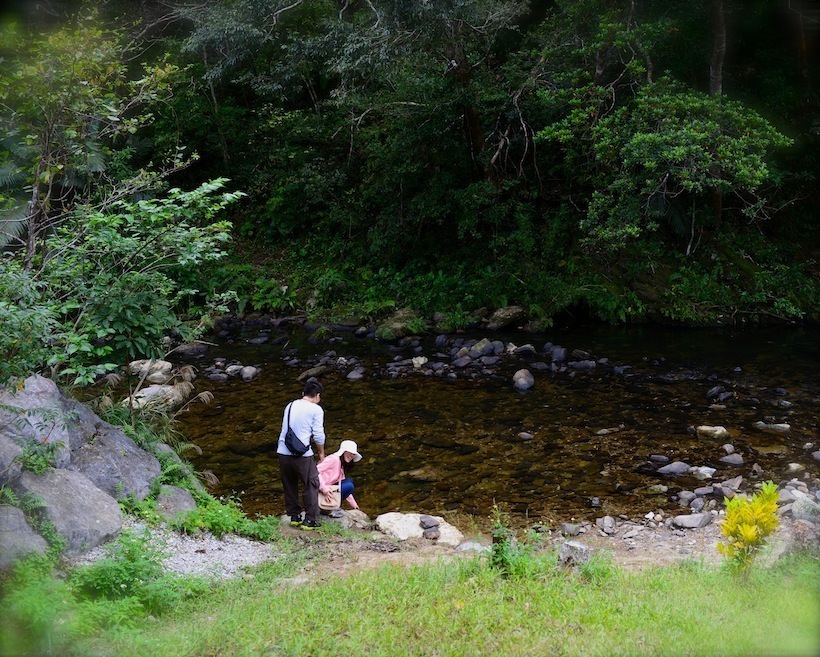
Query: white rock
[[140, 367], [159, 396], [707, 431], [702, 472], [419, 362], [402, 526]]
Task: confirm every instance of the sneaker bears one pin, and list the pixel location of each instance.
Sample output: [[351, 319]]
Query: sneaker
[[296, 521], [310, 525], [336, 513]]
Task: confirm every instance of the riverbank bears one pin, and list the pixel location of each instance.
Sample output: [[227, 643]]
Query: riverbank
[[330, 592]]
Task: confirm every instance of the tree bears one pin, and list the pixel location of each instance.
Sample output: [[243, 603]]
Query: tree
[[66, 100], [106, 292]]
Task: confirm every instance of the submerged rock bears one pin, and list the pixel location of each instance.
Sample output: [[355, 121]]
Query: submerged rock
[[523, 380], [675, 469]]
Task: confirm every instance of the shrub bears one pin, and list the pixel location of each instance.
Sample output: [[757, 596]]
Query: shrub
[[749, 521], [131, 562]]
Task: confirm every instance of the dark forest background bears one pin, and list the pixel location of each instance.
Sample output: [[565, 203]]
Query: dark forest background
[[605, 160]]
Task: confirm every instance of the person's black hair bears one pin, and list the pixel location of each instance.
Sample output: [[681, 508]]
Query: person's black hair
[[312, 387]]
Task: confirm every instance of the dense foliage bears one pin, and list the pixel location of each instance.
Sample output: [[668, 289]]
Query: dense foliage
[[621, 160]]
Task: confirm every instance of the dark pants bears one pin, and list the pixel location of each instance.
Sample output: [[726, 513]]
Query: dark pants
[[295, 469], [346, 488]]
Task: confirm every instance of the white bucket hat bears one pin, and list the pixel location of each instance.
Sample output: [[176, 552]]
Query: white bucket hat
[[350, 446]]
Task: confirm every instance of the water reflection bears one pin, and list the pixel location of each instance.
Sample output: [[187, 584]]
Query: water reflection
[[433, 445]]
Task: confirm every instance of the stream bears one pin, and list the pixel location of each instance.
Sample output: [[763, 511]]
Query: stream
[[433, 444]]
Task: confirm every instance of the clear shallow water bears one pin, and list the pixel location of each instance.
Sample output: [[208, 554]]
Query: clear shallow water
[[433, 445]]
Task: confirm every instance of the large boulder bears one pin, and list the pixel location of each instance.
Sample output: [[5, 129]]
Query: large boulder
[[17, 538], [398, 326], [81, 513], [504, 317], [403, 526], [9, 453], [115, 464], [41, 411]]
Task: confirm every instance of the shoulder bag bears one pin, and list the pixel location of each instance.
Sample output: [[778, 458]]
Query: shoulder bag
[[292, 442], [336, 501]]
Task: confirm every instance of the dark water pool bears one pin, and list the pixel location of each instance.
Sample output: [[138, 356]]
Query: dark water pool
[[435, 445]]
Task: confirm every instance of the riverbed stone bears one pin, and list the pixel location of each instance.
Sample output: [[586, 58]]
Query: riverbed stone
[[428, 522], [81, 513], [356, 375], [734, 483], [702, 472], [733, 459], [559, 354], [573, 554], [707, 431], [804, 508], [525, 351], [483, 347], [728, 448], [675, 469], [523, 380], [686, 496], [249, 373], [697, 505], [693, 521], [17, 538], [773, 427], [570, 529], [607, 525]]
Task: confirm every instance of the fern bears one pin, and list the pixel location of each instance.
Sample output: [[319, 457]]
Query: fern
[[8, 497]]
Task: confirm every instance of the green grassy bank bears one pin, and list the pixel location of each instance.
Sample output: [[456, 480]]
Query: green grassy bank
[[467, 608]]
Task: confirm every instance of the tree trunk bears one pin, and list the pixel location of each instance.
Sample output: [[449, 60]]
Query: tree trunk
[[718, 48], [716, 89], [35, 212]]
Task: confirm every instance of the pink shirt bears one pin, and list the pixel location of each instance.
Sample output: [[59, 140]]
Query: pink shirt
[[331, 472]]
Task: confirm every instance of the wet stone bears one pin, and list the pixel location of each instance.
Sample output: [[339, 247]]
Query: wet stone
[[675, 469], [734, 459], [569, 529], [686, 496], [659, 458]]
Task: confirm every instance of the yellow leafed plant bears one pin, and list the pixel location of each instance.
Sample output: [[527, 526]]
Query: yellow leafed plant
[[749, 522]]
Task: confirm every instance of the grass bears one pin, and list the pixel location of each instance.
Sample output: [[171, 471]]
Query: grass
[[464, 607]]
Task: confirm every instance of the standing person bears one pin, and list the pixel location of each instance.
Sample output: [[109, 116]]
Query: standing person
[[307, 420], [335, 470]]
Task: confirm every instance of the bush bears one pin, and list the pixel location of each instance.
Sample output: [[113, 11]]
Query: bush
[[749, 521], [132, 561]]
